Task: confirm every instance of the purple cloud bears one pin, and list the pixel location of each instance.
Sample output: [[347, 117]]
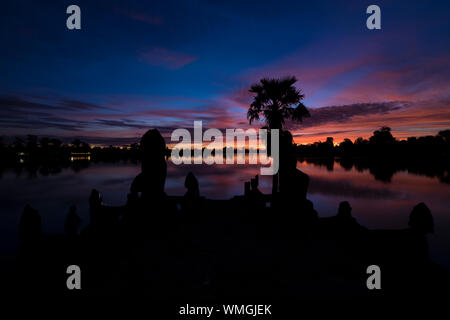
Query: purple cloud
[[345, 113], [140, 16], [168, 59]]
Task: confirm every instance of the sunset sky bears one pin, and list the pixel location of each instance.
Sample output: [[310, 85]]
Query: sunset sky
[[135, 65]]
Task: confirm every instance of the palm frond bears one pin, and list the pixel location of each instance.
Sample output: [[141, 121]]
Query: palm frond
[[274, 100]]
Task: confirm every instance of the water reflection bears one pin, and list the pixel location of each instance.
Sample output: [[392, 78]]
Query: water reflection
[[377, 201]]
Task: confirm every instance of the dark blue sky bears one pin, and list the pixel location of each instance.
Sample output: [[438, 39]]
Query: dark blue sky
[[137, 64]]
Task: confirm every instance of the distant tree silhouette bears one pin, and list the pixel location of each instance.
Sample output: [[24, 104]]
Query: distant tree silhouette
[[76, 143], [360, 141], [445, 134], [31, 142], [56, 143], [44, 142], [347, 146], [276, 100], [382, 136], [18, 144]]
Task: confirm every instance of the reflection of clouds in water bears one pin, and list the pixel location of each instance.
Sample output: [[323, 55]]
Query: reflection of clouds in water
[[348, 189], [216, 181], [375, 204], [115, 181]]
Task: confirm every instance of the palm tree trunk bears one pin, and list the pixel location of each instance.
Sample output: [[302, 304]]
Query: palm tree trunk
[[275, 184], [275, 177]]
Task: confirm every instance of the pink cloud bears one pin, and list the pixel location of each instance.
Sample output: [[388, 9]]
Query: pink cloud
[[428, 80], [344, 72], [406, 119], [163, 57]]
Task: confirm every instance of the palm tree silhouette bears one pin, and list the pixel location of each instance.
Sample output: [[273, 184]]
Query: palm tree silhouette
[[277, 100]]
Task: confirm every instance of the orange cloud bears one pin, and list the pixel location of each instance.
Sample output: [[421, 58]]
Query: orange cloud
[[406, 120]]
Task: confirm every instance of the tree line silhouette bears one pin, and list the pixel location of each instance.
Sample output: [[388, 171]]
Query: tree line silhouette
[[382, 144], [382, 154], [33, 149]]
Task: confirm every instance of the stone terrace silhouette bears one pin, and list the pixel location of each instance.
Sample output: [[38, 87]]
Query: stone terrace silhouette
[[253, 245]]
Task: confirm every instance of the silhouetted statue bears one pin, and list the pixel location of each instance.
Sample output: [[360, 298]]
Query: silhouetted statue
[[404, 253], [420, 223], [30, 226], [149, 212], [293, 182], [150, 182], [192, 199], [344, 219], [73, 221], [254, 183], [421, 220], [343, 226], [95, 207], [32, 254], [254, 196], [344, 211], [246, 188], [309, 212], [191, 184]]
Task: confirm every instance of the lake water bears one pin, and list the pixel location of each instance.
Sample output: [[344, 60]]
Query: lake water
[[376, 204]]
